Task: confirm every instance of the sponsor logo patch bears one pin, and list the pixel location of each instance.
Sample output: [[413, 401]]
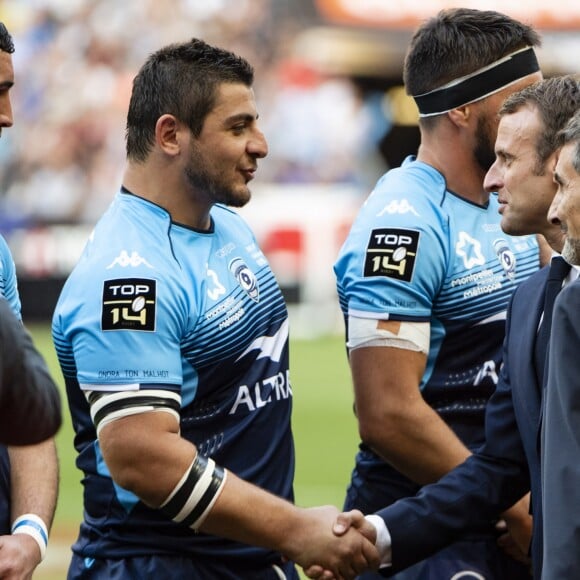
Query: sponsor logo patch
[[506, 257], [129, 304], [245, 278], [392, 253]]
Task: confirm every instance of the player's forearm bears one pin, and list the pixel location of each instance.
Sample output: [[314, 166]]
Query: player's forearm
[[159, 465], [248, 514], [419, 444], [168, 474], [394, 419], [34, 480], [519, 523]]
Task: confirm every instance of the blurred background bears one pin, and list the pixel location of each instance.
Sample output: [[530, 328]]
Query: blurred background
[[328, 86]]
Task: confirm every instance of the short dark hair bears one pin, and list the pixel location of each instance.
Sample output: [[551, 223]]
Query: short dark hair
[[6, 42], [459, 41], [556, 100], [182, 80], [570, 134]]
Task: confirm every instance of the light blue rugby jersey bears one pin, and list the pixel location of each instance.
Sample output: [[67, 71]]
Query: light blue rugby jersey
[[418, 252], [158, 304], [8, 282]]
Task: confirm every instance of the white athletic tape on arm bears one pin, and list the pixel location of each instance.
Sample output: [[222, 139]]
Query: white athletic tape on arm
[[32, 525], [367, 332]]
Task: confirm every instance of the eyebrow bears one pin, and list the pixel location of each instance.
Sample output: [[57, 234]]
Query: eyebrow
[[242, 117]]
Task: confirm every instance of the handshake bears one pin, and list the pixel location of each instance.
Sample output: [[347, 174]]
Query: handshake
[[330, 545]]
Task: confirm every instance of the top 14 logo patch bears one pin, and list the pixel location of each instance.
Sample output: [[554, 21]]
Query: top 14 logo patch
[[129, 304], [392, 253]]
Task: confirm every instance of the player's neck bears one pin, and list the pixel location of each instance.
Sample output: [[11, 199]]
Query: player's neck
[[167, 190], [463, 175]]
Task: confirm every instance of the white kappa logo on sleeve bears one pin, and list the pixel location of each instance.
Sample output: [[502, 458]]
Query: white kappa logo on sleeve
[[124, 260]]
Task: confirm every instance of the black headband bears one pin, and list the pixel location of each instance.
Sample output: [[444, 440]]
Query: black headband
[[479, 84]]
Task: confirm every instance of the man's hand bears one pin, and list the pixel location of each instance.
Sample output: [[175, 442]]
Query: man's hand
[[344, 525], [325, 555], [509, 546], [19, 556], [354, 519], [516, 530]]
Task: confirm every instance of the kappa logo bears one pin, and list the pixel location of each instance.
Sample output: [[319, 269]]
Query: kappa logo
[[124, 260], [392, 253], [470, 250], [398, 206]]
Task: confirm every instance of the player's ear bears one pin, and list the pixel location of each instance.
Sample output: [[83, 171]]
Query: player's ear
[[167, 134], [461, 116]]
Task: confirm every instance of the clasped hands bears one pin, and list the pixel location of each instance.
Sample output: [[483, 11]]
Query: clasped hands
[[335, 546]]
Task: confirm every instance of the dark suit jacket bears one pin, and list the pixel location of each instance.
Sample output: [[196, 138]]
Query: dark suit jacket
[[30, 409], [504, 469], [561, 444]]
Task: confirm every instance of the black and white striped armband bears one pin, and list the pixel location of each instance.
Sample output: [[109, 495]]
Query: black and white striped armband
[[193, 497], [107, 406]]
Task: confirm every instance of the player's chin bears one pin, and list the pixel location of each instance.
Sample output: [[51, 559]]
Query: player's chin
[[239, 197]]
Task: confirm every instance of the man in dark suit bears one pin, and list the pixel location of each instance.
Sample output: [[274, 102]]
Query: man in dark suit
[[561, 426], [465, 500], [29, 399]]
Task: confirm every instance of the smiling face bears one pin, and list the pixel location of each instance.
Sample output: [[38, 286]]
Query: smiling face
[[525, 188], [224, 158], [565, 209]]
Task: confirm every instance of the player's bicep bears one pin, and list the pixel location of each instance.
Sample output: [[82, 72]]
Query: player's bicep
[[144, 453], [385, 378]]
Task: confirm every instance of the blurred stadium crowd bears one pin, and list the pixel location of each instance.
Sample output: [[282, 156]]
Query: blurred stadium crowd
[[74, 64]]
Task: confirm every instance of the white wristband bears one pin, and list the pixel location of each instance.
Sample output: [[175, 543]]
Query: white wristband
[[32, 525]]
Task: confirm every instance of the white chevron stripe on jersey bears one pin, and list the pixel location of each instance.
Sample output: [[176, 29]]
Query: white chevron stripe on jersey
[[269, 346]]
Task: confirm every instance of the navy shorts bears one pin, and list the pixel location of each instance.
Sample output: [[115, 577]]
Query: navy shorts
[[159, 567]]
